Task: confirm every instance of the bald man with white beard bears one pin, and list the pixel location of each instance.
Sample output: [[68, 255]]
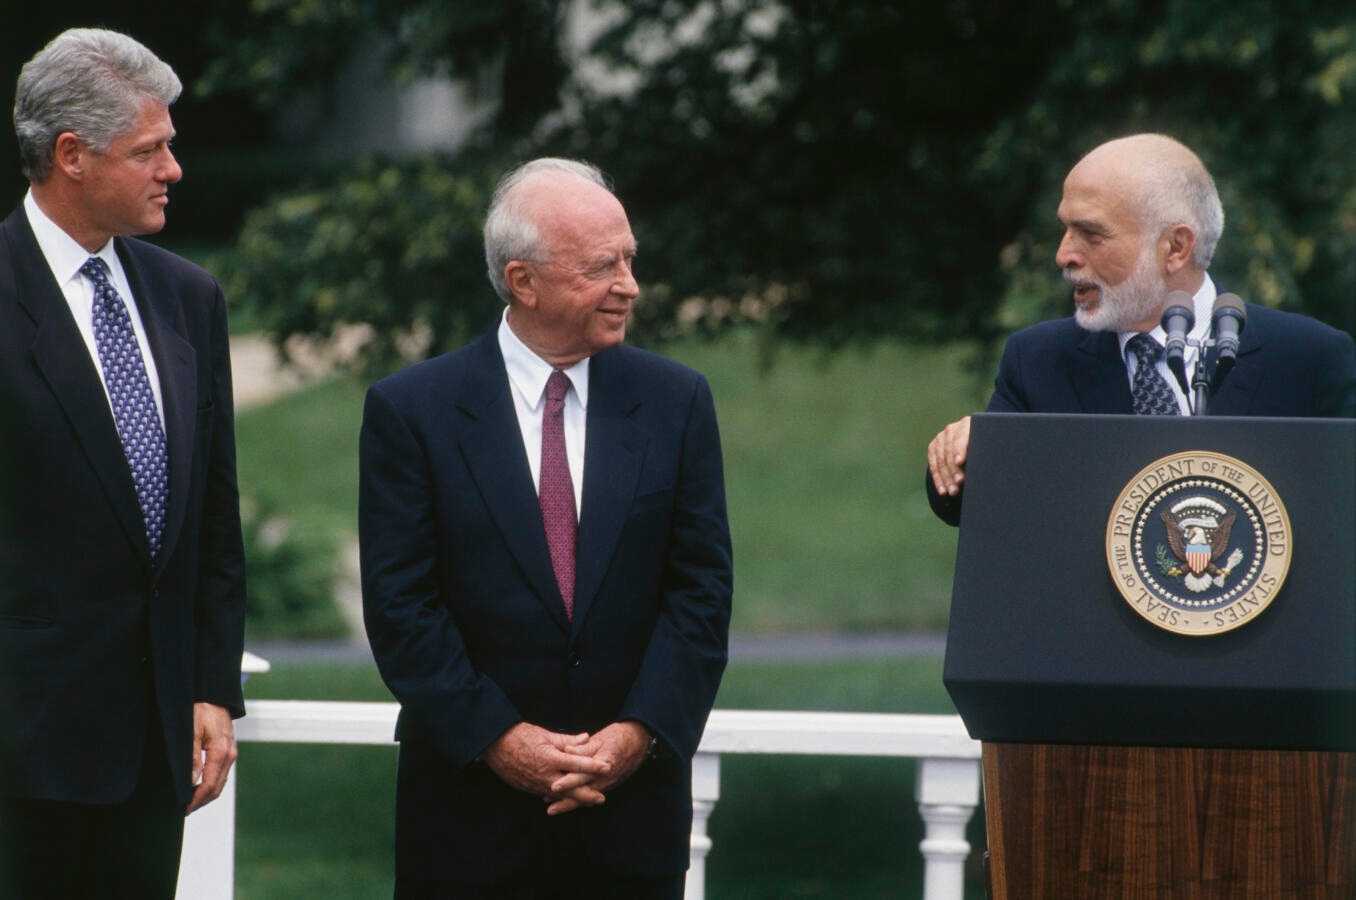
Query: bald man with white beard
[[1141, 219]]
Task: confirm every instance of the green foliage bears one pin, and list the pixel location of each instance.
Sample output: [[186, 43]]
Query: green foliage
[[821, 157], [395, 245], [846, 170], [297, 466], [292, 49], [290, 574], [300, 453]]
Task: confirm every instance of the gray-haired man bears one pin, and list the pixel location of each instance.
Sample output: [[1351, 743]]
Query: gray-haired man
[[121, 568]]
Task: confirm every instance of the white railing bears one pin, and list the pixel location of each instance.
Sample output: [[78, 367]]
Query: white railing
[[947, 787]]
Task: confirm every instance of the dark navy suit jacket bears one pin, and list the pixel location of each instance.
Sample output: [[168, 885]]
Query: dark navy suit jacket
[[1288, 365], [91, 635], [468, 627]]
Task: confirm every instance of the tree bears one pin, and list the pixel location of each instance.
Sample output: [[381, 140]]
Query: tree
[[844, 170]]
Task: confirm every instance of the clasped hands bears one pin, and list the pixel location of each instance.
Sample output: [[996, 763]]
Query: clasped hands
[[568, 770]]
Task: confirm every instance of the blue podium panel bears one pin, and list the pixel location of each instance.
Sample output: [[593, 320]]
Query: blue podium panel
[[1042, 646]]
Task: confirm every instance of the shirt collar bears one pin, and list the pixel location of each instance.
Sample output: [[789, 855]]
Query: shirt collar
[[64, 256], [528, 372], [1203, 304]]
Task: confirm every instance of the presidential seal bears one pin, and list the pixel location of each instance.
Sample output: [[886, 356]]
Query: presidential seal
[[1198, 543]]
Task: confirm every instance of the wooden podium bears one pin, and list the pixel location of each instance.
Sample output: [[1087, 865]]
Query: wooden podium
[[1123, 760]]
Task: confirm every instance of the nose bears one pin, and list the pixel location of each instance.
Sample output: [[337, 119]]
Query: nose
[[1068, 255], [170, 170], [626, 285]]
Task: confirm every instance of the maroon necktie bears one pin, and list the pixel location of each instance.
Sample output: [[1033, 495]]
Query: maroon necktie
[[556, 492]]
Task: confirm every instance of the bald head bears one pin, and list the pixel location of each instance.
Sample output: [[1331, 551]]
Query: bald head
[[1141, 218], [559, 248], [1159, 181], [511, 230]]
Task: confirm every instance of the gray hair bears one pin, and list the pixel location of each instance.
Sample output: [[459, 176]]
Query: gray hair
[[1177, 189], [510, 232], [90, 82]]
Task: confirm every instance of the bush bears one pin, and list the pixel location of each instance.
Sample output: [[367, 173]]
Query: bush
[[291, 578], [392, 245]]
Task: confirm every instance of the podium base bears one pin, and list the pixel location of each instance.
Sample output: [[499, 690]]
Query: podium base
[[1071, 821]]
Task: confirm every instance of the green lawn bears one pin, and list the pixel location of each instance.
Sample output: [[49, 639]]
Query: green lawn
[[824, 469], [316, 821]]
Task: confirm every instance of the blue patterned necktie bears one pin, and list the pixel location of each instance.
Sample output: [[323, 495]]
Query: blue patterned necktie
[[143, 438], [1150, 393]]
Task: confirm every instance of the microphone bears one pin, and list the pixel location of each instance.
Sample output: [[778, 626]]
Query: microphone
[[1227, 318], [1177, 320]]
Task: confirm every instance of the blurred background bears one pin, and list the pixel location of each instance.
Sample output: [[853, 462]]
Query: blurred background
[[842, 208]]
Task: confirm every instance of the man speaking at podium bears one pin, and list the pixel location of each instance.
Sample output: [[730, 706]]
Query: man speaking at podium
[[1141, 219]]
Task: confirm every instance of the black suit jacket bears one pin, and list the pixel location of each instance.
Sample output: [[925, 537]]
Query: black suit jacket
[[1288, 365], [468, 627], [93, 641]]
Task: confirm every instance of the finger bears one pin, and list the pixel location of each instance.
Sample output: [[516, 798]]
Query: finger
[[953, 448], [936, 454], [587, 748], [575, 800], [566, 741], [558, 807], [197, 757], [201, 797], [570, 782], [214, 772], [961, 440], [586, 764], [940, 459]]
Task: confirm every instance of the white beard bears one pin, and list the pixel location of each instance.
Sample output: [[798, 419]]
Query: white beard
[[1138, 298]]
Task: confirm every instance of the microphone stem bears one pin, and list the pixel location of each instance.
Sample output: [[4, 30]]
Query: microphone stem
[[1200, 384]]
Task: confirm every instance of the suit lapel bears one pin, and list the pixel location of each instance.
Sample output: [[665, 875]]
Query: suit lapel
[[1098, 374], [492, 446], [60, 355], [615, 449], [176, 365]]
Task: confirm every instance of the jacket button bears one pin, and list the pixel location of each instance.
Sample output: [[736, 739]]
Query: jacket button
[[574, 660]]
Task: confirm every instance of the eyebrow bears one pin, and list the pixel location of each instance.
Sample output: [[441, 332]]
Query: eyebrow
[[1088, 225], [604, 260]]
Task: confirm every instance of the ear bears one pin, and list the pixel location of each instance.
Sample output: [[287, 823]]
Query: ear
[[1181, 242], [521, 282], [68, 155]]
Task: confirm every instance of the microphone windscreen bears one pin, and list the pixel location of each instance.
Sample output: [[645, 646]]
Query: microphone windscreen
[[1232, 303], [1179, 298]]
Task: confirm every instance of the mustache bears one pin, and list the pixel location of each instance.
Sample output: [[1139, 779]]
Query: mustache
[[1075, 279]]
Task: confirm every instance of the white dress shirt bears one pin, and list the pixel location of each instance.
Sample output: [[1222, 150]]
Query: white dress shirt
[[527, 373], [65, 257], [1203, 305]]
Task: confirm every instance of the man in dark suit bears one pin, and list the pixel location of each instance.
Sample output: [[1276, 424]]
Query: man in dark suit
[[555, 674], [1141, 219], [121, 566]]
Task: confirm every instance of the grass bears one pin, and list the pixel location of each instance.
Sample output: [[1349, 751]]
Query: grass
[[299, 454], [824, 471], [824, 459], [317, 821]]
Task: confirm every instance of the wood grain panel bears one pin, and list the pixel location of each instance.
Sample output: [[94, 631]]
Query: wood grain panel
[[1148, 823]]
